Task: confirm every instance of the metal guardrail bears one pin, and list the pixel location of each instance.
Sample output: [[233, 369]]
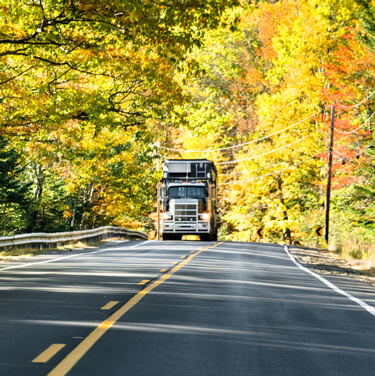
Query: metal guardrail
[[53, 240]]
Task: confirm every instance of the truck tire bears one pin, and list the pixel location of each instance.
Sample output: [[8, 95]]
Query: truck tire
[[205, 237], [165, 237]]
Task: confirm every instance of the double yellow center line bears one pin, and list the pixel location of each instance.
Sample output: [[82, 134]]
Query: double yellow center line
[[71, 359]]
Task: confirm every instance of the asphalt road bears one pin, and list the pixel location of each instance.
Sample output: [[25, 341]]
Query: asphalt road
[[181, 308]]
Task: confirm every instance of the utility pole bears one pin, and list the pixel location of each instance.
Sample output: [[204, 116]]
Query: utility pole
[[157, 144], [157, 151], [328, 197], [158, 211]]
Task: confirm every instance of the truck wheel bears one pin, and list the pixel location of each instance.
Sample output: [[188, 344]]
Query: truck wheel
[[205, 237], [214, 237], [165, 237]]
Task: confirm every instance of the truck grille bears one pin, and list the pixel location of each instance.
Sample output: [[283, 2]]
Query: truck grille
[[185, 213]]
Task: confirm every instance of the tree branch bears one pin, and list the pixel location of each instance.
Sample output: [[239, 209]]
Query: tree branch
[[19, 52], [20, 74]]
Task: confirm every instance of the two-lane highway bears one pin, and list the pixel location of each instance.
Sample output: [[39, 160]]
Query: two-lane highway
[[186, 308]]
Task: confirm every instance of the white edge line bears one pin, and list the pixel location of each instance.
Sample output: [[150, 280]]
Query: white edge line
[[66, 257], [360, 302]]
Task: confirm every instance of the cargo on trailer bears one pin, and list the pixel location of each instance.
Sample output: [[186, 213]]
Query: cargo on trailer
[[188, 199]]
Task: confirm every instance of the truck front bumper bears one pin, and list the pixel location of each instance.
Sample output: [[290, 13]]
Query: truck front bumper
[[186, 227]]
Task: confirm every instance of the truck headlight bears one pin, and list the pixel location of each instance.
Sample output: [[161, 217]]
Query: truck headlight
[[206, 216], [167, 216]]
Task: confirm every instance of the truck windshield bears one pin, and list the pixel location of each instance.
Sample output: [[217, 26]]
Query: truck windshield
[[187, 192]]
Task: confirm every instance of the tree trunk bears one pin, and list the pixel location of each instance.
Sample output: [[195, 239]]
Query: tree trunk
[[281, 196], [86, 204], [72, 221], [37, 196], [287, 233]]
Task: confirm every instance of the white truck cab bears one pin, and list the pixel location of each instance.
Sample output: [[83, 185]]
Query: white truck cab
[[189, 199]]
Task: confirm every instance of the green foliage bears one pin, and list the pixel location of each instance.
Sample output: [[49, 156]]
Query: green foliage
[[14, 192], [281, 63], [84, 89]]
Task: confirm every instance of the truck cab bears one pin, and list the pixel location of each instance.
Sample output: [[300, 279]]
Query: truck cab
[[189, 203]]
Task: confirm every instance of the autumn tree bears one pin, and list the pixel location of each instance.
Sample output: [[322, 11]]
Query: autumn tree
[[291, 62], [14, 191], [73, 72]]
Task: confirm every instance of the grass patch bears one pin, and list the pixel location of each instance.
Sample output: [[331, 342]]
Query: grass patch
[[360, 254], [18, 254]]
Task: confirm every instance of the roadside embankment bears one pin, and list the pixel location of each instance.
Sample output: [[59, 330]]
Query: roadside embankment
[[326, 262]]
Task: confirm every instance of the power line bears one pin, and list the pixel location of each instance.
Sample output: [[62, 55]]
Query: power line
[[343, 157], [358, 104], [338, 154], [342, 132], [268, 136], [271, 173], [284, 169], [273, 164], [261, 155], [273, 134], [239, 145]]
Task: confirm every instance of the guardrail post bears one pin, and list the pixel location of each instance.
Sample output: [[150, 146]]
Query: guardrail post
[[43, 240]]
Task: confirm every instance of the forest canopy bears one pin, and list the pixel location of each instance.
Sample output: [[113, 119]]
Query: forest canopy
[[94, 96]]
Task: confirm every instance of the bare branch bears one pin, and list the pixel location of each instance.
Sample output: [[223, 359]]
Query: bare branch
[[19, 52], [20, 74], [71, 66], [60, 19]]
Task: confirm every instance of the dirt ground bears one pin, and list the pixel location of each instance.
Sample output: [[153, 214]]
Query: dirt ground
[[325, 262]]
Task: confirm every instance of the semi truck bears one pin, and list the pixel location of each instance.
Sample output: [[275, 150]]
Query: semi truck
[[188, 199]]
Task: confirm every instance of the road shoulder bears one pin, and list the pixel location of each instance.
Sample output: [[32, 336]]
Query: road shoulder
[[325, 262]]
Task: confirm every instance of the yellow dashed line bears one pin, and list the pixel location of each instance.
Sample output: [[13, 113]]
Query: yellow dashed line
[[144, 282], [71, 359], [110, 305], [163, 270], [46, 355]]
